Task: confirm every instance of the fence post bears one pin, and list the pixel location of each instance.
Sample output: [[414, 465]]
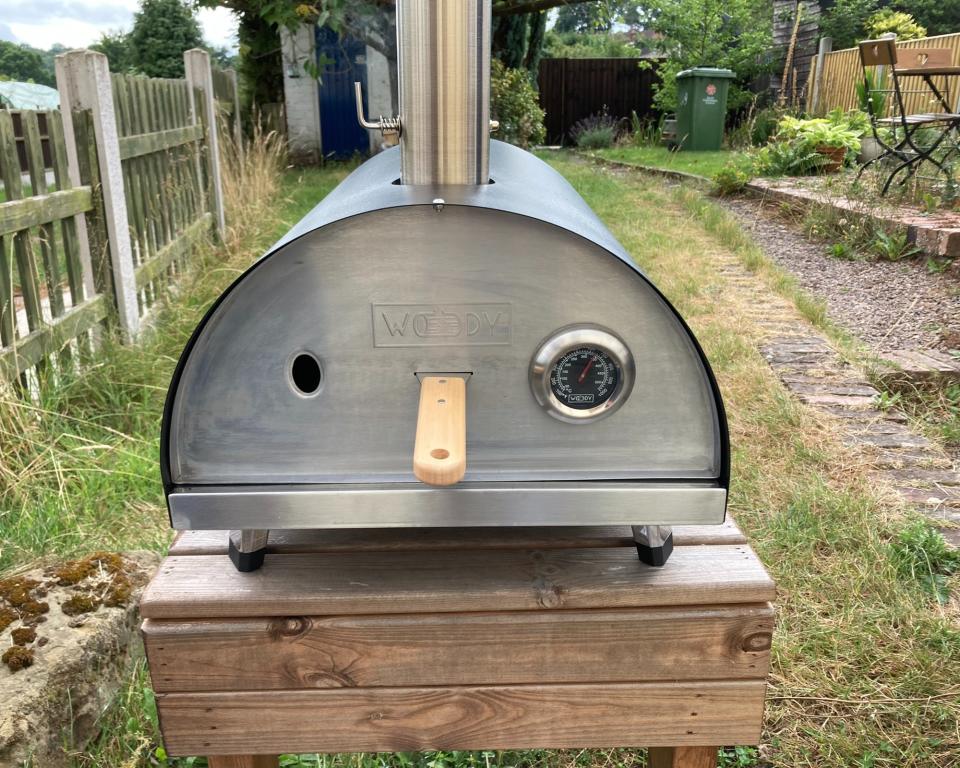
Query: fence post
[[196, 62], [83, 80], [826, 45], [237, 127]]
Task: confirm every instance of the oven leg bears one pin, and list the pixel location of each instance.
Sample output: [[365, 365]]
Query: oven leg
[[654, 543], [247, 548]]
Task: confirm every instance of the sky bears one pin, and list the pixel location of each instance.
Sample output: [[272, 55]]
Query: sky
[[78, 23]]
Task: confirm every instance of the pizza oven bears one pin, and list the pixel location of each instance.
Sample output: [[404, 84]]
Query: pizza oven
[[451, 338]]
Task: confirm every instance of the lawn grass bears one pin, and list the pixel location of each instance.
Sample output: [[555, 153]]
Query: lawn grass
[[865, 659], [704, 164], [79, 470]]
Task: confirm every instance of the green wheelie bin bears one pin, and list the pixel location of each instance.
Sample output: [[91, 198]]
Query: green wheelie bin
[[701, 107]]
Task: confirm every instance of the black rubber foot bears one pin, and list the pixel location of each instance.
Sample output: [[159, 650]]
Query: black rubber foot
[[246, 561], [656, 556]]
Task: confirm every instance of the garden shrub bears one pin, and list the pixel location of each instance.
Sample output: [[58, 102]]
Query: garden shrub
[[793, 151], [514, 103], [731, 179], [598, 131], [887, 20]]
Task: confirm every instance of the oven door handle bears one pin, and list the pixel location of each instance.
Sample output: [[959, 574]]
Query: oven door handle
[[440, 448]]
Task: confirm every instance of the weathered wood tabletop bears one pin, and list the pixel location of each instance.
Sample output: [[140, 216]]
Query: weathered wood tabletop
[[395, 640]]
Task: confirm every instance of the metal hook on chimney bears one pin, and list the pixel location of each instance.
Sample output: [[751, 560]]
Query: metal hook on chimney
[[386, 125]]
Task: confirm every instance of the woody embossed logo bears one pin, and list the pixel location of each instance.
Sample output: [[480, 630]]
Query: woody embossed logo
[[426, 325]]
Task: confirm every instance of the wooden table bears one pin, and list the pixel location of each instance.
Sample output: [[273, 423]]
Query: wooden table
[[397, 640]]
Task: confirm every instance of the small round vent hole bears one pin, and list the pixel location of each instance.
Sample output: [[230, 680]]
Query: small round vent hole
[[305, 373], [440, 453]]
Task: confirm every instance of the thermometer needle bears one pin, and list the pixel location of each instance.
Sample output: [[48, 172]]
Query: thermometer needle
[[586, 370]]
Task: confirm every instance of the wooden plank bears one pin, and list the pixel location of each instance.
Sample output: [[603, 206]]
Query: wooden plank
[[181, 246], [32, 349], [22, 241], [49, 255], [682, 757], [7, 310], [201, 586], [700, 643], [148, 143], [68, 224], [243, 761], [35, 211], [492, 717], [385, 539]]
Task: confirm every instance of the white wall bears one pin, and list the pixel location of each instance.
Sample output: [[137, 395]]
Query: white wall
[[378, 93], [300, 94]]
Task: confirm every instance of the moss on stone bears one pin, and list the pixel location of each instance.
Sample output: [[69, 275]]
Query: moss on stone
[[17, 591], [23, 635], [76, 571], [119, 592], [80, 604], [17, 658], [33, 608], [7, 617]]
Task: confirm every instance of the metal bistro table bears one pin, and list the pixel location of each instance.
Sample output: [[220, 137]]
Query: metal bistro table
[[926, 64]]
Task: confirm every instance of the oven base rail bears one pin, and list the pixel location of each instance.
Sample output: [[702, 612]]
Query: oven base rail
[[465, 505]]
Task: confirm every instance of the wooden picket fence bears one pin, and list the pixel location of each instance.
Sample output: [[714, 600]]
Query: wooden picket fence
[[842, 71], [161, 148], [101, 212], [39, 242]]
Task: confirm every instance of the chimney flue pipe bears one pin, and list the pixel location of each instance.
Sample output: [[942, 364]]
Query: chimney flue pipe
[[443, 55]]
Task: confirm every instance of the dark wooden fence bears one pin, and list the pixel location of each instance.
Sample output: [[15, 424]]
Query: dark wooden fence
[[572, 89]]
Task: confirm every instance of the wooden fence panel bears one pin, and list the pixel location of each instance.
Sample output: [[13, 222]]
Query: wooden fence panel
[[842, 71], [227, 95], [160, 149], [65, 260], [42, 302], [572, 89]]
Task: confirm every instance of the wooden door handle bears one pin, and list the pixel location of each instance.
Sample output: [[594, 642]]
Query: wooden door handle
[[440, 450]]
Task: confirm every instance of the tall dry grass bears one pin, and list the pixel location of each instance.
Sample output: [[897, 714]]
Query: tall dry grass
[[79, 461]]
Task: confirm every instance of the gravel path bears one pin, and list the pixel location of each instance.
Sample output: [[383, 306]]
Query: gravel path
[[889, 305]]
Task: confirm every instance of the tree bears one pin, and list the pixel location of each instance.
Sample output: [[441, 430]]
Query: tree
[[162, 31], [846, 21], [221, 56], [734, 34], [371, 21], [115, 45], [518, 40], [23, 63]]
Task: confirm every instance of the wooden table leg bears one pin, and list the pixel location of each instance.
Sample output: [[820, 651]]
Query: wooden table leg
[[243, 761], [682, 757]]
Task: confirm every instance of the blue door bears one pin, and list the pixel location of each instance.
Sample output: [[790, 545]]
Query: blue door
[[345, 61]]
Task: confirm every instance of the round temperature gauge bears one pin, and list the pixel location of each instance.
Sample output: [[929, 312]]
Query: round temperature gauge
[[581, 373]]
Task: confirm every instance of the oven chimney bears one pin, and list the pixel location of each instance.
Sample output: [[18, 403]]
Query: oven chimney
[[443, 56]]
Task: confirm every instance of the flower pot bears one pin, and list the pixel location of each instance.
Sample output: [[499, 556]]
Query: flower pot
[[870, 149], [834, 155]]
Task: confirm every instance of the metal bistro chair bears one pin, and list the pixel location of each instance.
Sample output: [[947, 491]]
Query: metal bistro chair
[[904, 146]]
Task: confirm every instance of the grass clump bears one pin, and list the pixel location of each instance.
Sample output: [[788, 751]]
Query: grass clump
[[920, 553]]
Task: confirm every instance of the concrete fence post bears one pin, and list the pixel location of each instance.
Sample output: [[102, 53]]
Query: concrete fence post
[[237, 125], [826, 45], [83, 80], [199, 75]]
